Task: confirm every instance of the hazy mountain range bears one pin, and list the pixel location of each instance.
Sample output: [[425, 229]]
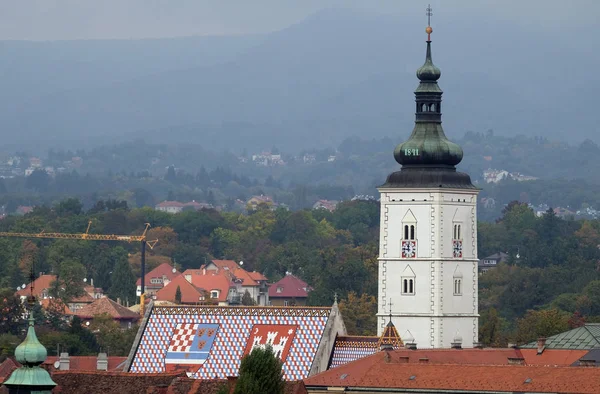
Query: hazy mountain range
[[336, 74]]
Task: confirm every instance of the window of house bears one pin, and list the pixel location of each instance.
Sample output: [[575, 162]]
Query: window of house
[[214, 294], [285, 303], [279, 289]]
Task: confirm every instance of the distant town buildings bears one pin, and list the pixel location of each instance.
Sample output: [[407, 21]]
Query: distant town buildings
[[176, 206], [329, 205], [494, 176], [491, 261], [267, 159], [289, 291]]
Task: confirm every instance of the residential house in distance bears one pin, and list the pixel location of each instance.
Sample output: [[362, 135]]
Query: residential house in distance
[[41, 291], [169, 206], [156, 279], [232, 280], [124, 316], [190, 294], [329, 205], [492, 261], [23, 210], [253, 203], [288, 291], [268, 159]]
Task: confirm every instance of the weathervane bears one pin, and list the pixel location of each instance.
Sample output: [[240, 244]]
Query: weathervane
[[428, 30], [391, 309]]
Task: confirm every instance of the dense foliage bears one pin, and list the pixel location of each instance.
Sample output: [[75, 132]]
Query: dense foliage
[[260, 373]]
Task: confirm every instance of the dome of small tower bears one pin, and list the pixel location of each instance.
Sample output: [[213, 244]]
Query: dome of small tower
[[428, 147], [428, 72], [31, 351]]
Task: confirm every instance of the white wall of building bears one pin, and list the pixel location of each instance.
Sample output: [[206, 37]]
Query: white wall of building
[[438, 309]]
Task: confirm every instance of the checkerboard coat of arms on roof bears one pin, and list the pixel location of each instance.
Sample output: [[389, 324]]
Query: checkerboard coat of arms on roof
[[190, 347]]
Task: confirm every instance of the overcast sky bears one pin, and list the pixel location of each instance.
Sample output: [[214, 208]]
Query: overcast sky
[[98, 19]]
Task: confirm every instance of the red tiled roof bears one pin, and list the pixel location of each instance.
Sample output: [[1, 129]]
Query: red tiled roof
[[291, 287], [87, 363], [164, 269], [212, 281], [257, 276], [56, 304], [83, 299], [6, 368], [233, 268], [39, 285], [222, 264], [552, 357], [189, 293], [382, 371], [106, 305]]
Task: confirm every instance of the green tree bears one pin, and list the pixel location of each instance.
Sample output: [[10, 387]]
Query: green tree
[[260, 373], [360, 314], [542, 323], [69, 281], [178, 295], [111, 337], [8, 344], [122, 281], [247, 299], [12, 312]]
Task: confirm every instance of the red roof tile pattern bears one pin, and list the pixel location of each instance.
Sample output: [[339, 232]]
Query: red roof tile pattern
[[190, 294], [7, 366], [168, 204], [55, 304], [87, 363], [257, 276], [552, 357], [164, 269], [39, 285], [389, 370], [291, 287], [211, 281], [106, 305]]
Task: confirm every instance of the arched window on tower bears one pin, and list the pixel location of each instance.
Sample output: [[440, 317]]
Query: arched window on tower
[[406, 233], [457, 277], [432, 108], [408, 281], [424, 108], [412, 231]]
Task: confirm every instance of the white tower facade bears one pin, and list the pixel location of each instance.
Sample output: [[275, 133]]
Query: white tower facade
[[428, 239]]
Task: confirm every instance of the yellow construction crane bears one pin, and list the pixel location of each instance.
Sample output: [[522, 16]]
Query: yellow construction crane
[[96, 237]]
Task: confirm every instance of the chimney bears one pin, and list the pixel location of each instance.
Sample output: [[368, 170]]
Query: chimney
[[512, 345], [478, 345], [516, 361], [92, 282], [541, 345], [64, 363], [203, 271], [102, 362], [118, 301], [386, 346], [411, 346]]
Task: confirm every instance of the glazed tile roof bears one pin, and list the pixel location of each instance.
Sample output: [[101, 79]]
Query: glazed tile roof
[[291, 287], [208, 342], [352, 348], [106, 305], [164, 269], [190, 294], [382, 371], [581, 338]]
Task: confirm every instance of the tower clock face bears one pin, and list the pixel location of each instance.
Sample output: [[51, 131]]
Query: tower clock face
[[409, 249], [457, 248]]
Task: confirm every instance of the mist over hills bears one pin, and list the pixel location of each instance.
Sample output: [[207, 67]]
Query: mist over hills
[[337, 73]]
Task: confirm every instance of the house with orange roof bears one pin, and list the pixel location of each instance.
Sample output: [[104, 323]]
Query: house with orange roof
[[216, 284], [41, 290], [190, 294], [156, 279], [170, 206], [124, 316], [253, 282]]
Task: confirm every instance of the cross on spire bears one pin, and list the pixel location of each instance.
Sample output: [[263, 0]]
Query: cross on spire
[[32, 279], [428, 12], [391, 309], [335, 296]]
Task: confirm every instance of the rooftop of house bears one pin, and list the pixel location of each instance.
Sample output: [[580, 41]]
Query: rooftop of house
[[170, 204], [87, 363], [213, 281], [105, 305], [234, 270], [190, 294], [163, 270], [585, 337], [290, 286], [40, 284], [56, 305], [388, 369]]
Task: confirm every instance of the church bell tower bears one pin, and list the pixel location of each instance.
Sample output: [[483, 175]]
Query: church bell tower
[[428, 239]]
